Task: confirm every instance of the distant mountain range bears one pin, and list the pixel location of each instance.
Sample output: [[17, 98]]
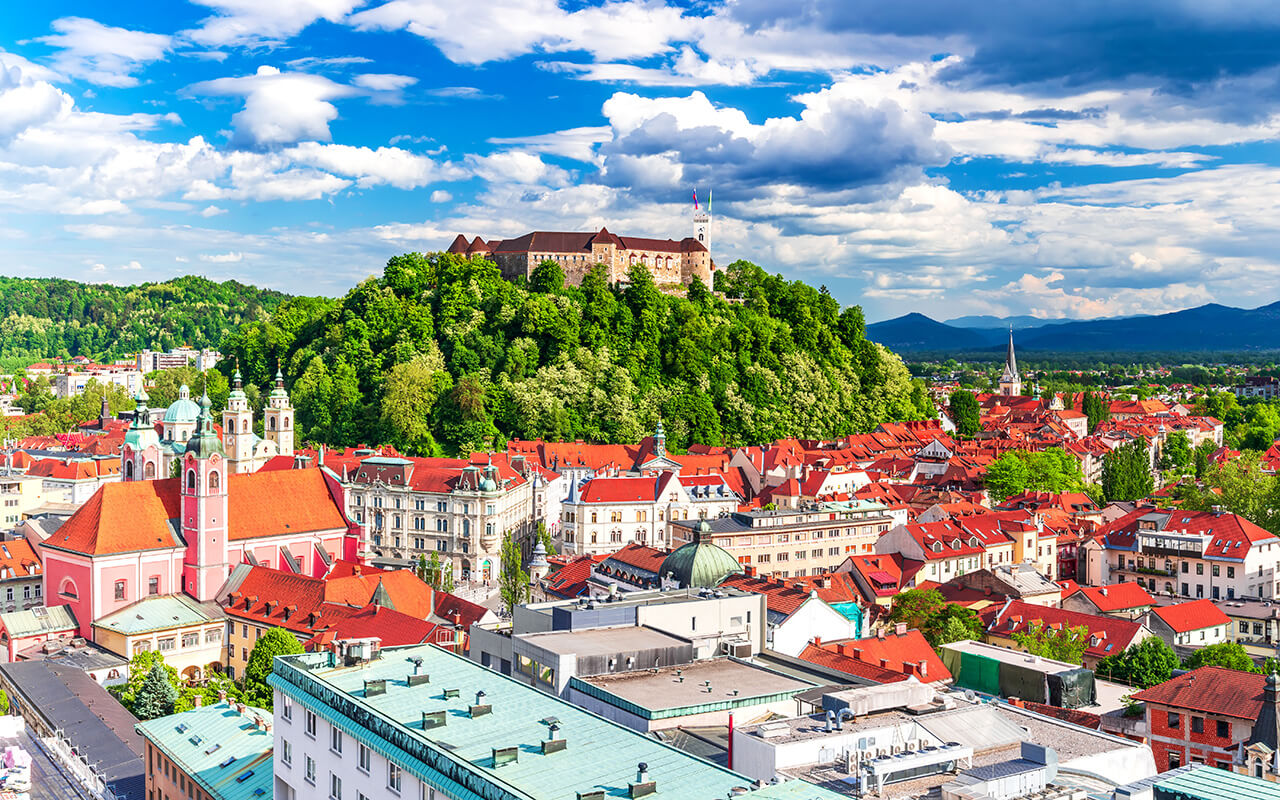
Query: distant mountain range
[[1210, 327], [986, 321]]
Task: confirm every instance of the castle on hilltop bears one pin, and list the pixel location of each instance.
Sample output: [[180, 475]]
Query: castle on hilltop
[[669, 261]]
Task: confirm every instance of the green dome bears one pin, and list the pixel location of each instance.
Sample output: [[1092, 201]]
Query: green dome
[[204, 442], [700, 564], [182, 410]]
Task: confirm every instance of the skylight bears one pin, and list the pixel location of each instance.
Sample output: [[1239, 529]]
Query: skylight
[[230, 760]]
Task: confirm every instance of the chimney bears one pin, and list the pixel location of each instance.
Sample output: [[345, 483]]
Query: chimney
[[924, 668], [900, 629], [197, 701], [817, 641], [749, 570], [1103, 591], [222, 695], [880, 634]]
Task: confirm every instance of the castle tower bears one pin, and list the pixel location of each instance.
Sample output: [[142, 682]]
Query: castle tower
[[1010, 382], [702, 222], [237, 428], [277, 418], [140, 458], [204, 509]]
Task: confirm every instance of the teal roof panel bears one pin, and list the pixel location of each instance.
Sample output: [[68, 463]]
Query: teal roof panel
[[227, 754], [458, 757], [160, 613]]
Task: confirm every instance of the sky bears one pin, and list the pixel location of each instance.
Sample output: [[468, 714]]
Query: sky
[[1064, 160]]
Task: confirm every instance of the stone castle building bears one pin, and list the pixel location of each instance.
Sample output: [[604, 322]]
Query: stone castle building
[[668, 260]]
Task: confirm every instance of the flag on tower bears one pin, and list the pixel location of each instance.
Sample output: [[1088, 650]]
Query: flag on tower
[[695, 198]]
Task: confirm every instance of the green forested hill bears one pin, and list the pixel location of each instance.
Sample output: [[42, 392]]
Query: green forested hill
[[441, 353], [46, 317]]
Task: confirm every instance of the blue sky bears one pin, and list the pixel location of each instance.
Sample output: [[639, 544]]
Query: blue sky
[[1061, 160]]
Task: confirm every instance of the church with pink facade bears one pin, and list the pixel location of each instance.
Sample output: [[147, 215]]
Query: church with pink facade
[[145, 537]]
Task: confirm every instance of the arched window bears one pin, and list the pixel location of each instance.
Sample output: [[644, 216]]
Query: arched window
[[128, 470], [231, 426], [214, 480], [272, 422], [191, 479], [285, 425], [668, 262], [633, 259], [149, 471], [68, 589], [644, 261]]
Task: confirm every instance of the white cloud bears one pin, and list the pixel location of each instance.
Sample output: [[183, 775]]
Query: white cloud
[[132, 265], [222, 258], [257, 22], [279, 108], [475, 33], [441, 196], [102, 54], [371, 167], [27, 103], [384, 82], [576, 143], [212, 211]]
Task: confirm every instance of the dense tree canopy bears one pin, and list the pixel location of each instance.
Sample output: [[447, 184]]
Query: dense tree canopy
[[965, 413], [1126, 472], [1052, 470], [442, 354], [1145, 664], [44, 318]]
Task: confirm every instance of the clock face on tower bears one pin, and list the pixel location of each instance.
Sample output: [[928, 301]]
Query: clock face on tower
[[215, 459]]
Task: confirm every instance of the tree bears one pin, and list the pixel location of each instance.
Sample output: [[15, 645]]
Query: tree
[[1146, 664], [1007, 476], [1176, 453], [916, 607], [513, 581], [1240, 487], [156, 696], [1097, 408], [1063, 644], [544, 536], [1200, 457], [275, 642], [423, 568], [547, 278], [4, 702], [1126, 472], [1231, 655], [964, 412], [954, 624]]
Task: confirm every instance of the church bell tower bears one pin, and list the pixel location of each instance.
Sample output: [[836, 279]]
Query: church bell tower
[[702, 221]]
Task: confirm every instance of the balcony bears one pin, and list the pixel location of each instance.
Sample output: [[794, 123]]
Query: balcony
[[1172, 552]]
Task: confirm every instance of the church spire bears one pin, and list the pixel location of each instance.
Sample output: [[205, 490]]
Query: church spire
[[1010, 381]]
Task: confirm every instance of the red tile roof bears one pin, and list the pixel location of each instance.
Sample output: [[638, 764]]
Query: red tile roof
[[1118, 597], [18, 559], [454, 609], [570, 580], [1107, 635], [1192, 616], [136, 515], [640, 556], [884, 660], [1213, 690], [391, 626]]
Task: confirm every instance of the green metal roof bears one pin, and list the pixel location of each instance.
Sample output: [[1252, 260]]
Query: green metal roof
[[159, 613], [458, 757], [219, 747], [1208, 783], [700, 564], [38, 620]]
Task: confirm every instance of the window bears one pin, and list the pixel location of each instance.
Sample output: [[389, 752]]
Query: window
[[286, 710], [1174, 719], [286, 752], [1224, 729], [311, 770], [191, 639], [119, 590], [335, 739], [393, 777], [1217, 570], [1197, 724], [335, 787], [311, 724], [1231, 572], [213, 635], [1199, 569], [153, 585], [167, 645], [364, 756]]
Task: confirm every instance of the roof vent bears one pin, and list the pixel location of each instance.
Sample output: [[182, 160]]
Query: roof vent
[[643, 786]]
